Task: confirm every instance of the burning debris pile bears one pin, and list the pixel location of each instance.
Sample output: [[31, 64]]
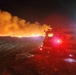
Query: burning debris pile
[[17, 27]]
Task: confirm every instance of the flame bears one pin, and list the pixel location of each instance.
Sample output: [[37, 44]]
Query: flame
[[17, 27]]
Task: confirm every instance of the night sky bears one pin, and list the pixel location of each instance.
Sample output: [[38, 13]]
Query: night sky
[[51, 12]]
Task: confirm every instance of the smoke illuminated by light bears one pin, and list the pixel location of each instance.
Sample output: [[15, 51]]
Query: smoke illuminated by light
[[17, 27]]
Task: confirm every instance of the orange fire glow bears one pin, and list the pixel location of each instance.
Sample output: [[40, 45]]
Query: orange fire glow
[[17, 27]]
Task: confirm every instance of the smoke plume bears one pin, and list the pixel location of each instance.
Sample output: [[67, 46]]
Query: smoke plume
[[15, 26]]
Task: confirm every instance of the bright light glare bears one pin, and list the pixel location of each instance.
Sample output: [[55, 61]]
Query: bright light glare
[[21, 36], [50, 35], [70, 55], [59, 41], [70, 60], [42, 45], [40, 49]]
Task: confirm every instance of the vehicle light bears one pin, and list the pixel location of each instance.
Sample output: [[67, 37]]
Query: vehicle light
[[42, 45], [50, 35], [70, 55], [70, 60], [59, 41], [40, 48]]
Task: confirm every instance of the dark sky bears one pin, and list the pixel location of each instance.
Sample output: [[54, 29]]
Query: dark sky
[[43, 11]]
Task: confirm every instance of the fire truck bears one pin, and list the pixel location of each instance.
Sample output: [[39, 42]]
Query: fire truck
[[59, 40]]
